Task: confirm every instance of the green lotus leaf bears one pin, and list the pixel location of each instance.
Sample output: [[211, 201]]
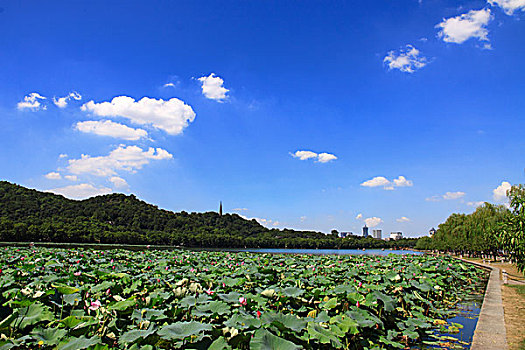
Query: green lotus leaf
[[64, 289], [330, 304], [33, 314], [78, 343], [293, 292], [240, 321], [323, 335], [232, 297], [188, 301], [284, 321], [181, 330], [49, 336], [122, 305], [133, 335], [214, 307], [219, 344], [264, 340]]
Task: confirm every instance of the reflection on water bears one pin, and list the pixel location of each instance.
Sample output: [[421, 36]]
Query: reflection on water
[[326, 251], [461, 324]]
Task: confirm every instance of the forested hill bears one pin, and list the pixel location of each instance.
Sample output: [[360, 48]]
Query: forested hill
[[31, 215]]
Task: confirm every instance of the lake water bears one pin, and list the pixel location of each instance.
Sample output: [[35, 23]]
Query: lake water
[[326, 251]]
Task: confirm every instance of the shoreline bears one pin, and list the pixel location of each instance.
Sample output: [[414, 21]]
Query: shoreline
[[490, 332]]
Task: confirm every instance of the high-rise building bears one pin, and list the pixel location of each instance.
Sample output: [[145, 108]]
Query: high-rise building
[[376, 234], [365, 231], [396, 235], [220, 209]]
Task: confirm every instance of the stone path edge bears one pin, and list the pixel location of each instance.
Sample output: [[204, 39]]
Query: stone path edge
[[490, 333]]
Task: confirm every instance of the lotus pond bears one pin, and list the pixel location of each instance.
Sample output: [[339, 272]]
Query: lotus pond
[[92, 299]]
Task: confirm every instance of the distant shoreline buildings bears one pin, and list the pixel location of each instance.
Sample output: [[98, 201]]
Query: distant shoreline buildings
[[376, 234]]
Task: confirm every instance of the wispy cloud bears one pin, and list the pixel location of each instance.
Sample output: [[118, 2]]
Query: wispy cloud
[[407, 59], [62, 102], [373, 221], [509, 6], [112, 129], [80, 191], [123, 158], [53, 176], [403, 219], [32, 102], [446, 196]]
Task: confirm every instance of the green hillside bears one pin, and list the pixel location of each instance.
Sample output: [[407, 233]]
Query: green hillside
[[31, 215]]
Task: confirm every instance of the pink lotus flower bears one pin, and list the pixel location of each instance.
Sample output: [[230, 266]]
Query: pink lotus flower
[[95, 305], [209, 292], [78, 273], [259, 314], [360, 284], [357, 304], [243, 301]]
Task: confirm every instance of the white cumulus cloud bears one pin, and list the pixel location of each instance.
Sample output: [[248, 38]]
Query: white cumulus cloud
[[388, 185], [304, 155], [446, 196], [130, 158], [475, 203], [401, 181], [453, 195], [376, 182], [80, 191], [403, 219], [500, 192], [406, 60], [118, 182], [320, 157], [61, 102], [325, 157], [71, 177], [240, 209], [373, 221], [53, 176], [463, 27], [212, 87], [172, 115], [32, 102], [509, 6], [109, 128], [359, 216]]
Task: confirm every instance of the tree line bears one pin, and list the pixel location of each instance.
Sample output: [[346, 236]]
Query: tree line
[[27, 215], [488, 231]]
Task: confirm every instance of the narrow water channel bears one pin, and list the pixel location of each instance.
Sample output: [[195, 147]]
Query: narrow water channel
[[465, 314]]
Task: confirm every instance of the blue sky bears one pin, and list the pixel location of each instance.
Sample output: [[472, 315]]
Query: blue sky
[[310, 115]]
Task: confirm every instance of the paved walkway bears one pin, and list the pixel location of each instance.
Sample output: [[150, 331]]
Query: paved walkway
[[490, 333]]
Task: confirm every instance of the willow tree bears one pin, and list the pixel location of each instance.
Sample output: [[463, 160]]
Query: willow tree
[[512, 236]]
